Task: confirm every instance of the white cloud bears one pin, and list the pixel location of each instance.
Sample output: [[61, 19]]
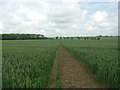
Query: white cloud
[[52, 23], [53, 19], [84, 13], [74, 25], [104, 24], [62, 0], [32, 14], [1, 27], [99, 16], [99, 24]]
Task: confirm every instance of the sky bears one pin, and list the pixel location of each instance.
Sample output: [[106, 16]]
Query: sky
[[59, 17]]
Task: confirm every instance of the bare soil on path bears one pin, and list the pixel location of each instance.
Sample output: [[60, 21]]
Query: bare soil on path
[[71, 73]]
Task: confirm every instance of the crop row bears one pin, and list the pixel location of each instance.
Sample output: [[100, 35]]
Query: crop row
[[102, 61], [27, 65]]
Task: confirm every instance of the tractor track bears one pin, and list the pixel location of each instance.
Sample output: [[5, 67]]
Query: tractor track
[[71, 73]]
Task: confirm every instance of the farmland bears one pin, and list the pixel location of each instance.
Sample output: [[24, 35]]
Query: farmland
[[29, 63], [0, 63], [101, 57]]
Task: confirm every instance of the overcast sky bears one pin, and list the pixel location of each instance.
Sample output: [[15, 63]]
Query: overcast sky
[[59, 17]]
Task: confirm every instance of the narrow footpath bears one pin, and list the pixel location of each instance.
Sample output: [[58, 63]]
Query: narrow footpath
[[71, 73]]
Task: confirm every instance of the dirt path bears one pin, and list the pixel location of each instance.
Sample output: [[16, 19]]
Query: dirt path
[[71, 73]]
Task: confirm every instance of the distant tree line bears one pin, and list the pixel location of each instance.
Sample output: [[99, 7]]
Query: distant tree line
[[80, 38], [22, 36], [40, 36]]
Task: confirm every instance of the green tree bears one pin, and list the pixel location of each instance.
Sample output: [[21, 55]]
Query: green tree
[[57, 37]]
